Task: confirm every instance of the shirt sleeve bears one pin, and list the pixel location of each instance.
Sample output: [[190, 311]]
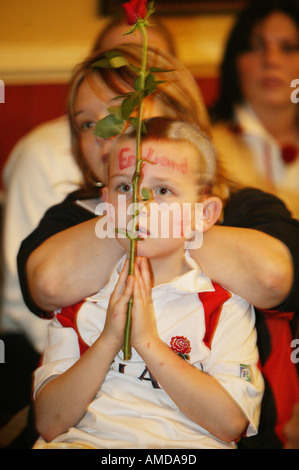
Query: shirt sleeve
[[233, 359], [58, 218], [61, 352], [254, 209]]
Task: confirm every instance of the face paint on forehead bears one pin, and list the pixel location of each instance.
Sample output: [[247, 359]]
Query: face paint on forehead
[[126, 159]]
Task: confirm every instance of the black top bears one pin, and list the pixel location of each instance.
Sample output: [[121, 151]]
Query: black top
[[247, 208]]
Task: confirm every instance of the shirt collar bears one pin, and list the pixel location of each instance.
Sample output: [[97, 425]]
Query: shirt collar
[[250, 123], [193, 281]]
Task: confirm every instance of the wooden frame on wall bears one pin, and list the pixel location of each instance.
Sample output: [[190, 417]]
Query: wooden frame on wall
[[179, 7]]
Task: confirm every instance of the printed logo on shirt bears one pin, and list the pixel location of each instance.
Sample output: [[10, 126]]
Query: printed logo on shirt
[[245, 372], [145, 375], [181, 346]]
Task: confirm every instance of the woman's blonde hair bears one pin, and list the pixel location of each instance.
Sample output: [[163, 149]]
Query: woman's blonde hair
[[179, 96]]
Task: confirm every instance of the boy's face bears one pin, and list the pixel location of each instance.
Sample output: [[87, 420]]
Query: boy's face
[[171, 179]]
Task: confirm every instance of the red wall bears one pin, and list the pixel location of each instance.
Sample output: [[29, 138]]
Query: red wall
[[28, 105]]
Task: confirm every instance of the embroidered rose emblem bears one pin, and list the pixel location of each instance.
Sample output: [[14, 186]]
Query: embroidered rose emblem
[[135, 9], [181, 345]]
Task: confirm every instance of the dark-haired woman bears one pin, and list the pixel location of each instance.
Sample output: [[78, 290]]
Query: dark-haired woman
[[255, 121]]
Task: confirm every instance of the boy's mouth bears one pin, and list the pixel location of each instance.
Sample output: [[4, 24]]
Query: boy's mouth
[[142, 232]]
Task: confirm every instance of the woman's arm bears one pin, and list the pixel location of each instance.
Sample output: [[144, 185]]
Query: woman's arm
[[291, 429], [74, 264], [250, 263], [256, 256], [70, 266]]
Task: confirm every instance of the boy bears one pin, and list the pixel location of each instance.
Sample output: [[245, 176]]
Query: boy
[[193, 380]]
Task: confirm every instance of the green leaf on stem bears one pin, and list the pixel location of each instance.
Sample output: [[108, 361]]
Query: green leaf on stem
[[157, 69], [112, 60], [150, 9], [151, 84], [119, 61], [132, 30], [102, 63], [133, 236], [147, 194], [109, 126], [134, 122], [132, 101], [116, 111]]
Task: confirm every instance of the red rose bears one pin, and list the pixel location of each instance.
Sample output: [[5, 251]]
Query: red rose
[[289, 153], [135, 9], [180, 344]]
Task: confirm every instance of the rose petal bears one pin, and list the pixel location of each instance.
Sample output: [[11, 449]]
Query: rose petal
[[135, 9]]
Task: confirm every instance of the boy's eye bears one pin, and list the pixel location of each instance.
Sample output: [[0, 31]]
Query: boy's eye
[[163, 191], [125, 187]]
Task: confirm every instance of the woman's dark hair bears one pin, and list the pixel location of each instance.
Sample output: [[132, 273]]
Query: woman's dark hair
[[238, 42]]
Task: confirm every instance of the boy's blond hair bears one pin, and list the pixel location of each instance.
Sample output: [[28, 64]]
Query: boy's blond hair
[[172, 130]]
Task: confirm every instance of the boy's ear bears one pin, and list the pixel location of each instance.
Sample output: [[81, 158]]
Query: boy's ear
[[212, 207]]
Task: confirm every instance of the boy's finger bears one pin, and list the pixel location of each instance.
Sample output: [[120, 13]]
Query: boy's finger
[[127, 293], [142, 286], [138, 297], [121, 283], [146, 274]]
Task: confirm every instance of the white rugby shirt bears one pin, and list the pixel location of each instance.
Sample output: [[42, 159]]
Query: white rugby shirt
[[130, 410]]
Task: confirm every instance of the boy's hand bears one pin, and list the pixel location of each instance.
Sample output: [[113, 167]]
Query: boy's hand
[[118, 304], [144, 327]]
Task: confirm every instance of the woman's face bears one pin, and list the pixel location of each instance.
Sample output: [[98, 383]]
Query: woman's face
[[267, 69], [91, 103]]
